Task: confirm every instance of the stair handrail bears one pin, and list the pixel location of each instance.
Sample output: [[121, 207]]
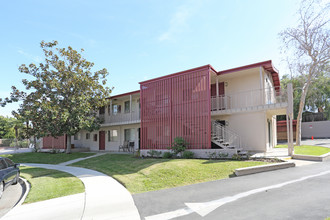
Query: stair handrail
[[226, 134]]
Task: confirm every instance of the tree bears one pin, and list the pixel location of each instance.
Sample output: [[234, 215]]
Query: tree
[[6, 128], [65, 97], [318, 95], [307, 48]]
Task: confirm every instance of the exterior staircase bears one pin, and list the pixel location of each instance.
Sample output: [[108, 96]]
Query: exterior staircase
[[224, 138]]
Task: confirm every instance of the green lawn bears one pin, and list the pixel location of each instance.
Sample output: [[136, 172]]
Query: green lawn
[[48, 184], [46, 158], [142, 175], [308, 150]]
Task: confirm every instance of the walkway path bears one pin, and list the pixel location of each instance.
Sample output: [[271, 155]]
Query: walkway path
[[104, 198]]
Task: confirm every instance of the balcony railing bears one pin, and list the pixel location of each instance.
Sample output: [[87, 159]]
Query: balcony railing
[[249, 99], [121, 118]]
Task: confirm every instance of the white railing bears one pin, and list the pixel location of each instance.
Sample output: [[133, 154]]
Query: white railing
[[250, 98], [224, 137], [121, 117]]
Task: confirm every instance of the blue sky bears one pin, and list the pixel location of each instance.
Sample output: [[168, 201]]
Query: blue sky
[[140, 40]]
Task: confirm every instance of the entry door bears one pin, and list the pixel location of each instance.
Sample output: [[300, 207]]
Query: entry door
[[101, 140], [221, 89]]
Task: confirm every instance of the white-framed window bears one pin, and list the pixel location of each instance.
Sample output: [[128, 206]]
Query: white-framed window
[[76, 136], [116, 109], [113, 135], [127, 106], [88, 136], [129, 134]]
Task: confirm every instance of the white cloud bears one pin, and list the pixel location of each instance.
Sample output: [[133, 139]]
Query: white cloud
[[177, 23], [30, 56]]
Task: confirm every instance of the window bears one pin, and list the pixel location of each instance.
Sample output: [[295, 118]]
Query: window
[[88, 136], [129, 134], [95, 137], [116, 109], [9, 162], [76, 137], [102, 110], [127, 107], [3, 165], [113, 135]]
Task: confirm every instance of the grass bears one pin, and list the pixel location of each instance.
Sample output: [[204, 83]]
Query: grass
[[308, 149], [48, 184], [46, 158], [142, 175]]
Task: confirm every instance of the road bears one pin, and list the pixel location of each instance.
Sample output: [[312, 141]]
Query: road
[[10, 197], [294, 193]]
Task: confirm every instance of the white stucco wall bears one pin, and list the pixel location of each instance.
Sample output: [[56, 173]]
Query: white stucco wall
[[109, 145], [251, 127], [247, 81]]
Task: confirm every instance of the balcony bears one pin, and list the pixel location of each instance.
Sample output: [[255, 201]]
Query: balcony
[[272, 99], [121, 118]]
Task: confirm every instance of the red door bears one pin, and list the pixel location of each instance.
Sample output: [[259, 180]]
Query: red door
[[221, 89], [101, 140]]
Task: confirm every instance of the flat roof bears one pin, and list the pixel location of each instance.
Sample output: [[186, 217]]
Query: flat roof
[[267, 65]]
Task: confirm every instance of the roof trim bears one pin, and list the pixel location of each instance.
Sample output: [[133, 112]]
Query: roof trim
[[267, 65], [124, 94], [182, 72]]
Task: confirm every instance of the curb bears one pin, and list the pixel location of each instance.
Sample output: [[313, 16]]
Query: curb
[[263, 168], [24, 183], [321, 158]]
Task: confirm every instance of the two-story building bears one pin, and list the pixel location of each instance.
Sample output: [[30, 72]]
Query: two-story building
[[231, 110]]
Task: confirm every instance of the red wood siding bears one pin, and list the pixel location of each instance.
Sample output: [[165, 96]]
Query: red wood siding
[[282, 130], [56, 143], [178, 105]]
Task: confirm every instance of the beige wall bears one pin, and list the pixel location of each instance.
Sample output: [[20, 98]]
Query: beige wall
[[109, 145], [248, 81], [252, 128]]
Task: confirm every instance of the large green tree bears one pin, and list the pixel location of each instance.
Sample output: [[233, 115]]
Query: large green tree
[[307, 48], [66, 95], [318, 95]]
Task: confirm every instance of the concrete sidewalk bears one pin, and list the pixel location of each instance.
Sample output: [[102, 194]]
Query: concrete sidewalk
[[282, 153], [104, 198]]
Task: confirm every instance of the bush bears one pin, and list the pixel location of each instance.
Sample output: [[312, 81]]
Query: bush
[[236, 157], [167, 155], [212, 155], [188, 155], [178, 146], [223, 155], [19, 144], [154, 153]]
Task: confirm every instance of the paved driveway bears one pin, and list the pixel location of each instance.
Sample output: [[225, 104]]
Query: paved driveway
[[104, 198], [294, 193]]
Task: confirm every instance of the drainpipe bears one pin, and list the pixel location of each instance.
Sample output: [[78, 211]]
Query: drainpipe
[[217, 92]]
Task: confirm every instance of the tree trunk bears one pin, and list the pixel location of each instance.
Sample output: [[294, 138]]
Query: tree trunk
[[35, 142], [68, 144], [301, 109]]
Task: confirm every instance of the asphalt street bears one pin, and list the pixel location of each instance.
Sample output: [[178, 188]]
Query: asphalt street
[[10, 197], [293, 193]]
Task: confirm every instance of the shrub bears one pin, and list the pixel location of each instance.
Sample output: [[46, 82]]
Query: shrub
[[223, 155], [236, 157], [178, 146], [154, 153], [188, 155], [212, 155], [167, 155], [19, 144]]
